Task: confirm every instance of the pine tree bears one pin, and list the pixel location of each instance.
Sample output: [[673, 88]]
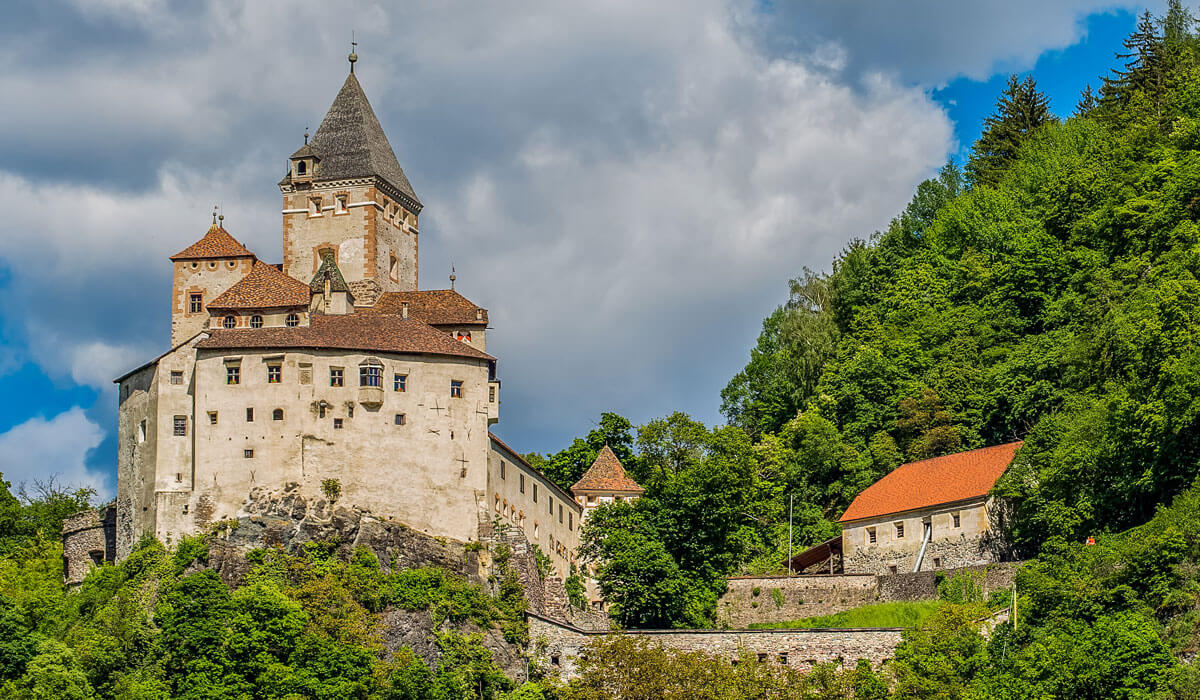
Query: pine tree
[[1020, 110], [1088, 101]]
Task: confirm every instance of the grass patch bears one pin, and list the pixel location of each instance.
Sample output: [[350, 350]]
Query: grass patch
[[878, 615]]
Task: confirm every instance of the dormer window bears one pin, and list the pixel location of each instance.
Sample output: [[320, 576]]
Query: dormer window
[[292, 320], [229, 322], [256, 321], [301, 167]]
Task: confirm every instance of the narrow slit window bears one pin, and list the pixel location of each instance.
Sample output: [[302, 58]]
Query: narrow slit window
[[535, 493], [502, 468], [870, 535], [522, 483], [249, 415], [339, 204], [957, 519], [491, 394]]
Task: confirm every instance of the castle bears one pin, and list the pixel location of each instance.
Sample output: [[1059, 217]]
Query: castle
[[332, 371]]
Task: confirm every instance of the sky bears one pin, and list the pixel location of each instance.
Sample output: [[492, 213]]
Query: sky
[[626, 186]]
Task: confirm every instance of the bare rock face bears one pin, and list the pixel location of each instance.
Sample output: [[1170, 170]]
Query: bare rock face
[[415, 630], [287, 519]]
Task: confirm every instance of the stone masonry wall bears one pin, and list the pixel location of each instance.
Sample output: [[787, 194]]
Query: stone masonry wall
[[748, 600], [88, 539], [557, 646], [765, 599]]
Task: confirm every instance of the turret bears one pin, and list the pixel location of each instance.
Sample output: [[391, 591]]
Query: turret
[[203, 271]]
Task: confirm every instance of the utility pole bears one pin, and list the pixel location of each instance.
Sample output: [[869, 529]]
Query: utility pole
[[791, 500]]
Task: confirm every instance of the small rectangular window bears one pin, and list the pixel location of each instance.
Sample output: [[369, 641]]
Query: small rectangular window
[[249, 415], [570, 521], [212, 417], [178, 477], [339, 204], [195, 303], [400, 382], [899, 531], [957, 519], [321, 410], [142, 431], [937, 562], [502, 466], [400, 419], [891, 568], [535, 493], [337, 423], [491, 394], [314, 206], [233, 374], [522, 483], [591, 500], [456, 389], [870, 535], [337, 376], [274, 374], [180, 426], [369, 375], [560, 512], [248, 453], [550, 505], [176, 376]]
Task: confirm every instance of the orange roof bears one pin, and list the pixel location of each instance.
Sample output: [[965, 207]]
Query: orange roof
[[606, 474], [217, 243], [433, 306], [354, 331], [266, 287], [931, 482]]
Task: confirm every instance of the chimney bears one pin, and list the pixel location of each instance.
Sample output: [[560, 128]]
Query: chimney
[[478, 314], [404, 309]]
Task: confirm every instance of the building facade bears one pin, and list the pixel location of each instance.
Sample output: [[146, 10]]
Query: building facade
[[331, 371]]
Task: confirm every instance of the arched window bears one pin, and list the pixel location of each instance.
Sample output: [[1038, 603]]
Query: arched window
[[256, 321], [277, 414], [292, 320], [301, 168], [230, 322]]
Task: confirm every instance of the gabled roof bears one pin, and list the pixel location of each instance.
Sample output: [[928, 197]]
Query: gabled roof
[[606, 474], [216, 243], [347, 332], [433, 306], [266, 287], [931, 482], [351, 143], [329, 269]]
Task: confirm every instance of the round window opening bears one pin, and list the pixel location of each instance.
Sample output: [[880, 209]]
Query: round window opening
[[195, 265], [231, 264], [292, 320], [212, 265], [256, 321], [229, 322]]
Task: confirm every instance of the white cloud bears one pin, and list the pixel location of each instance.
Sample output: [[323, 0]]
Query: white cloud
[[39, 448], [626, 185]]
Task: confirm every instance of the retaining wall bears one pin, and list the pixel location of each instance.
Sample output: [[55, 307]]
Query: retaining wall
[[558, 646]]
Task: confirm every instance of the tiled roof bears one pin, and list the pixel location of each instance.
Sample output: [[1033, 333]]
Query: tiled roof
[[329, 269], [355, 331], [264, 288], [217, 243], [351, 143], [433, 306], [931, 482], [606, 474]]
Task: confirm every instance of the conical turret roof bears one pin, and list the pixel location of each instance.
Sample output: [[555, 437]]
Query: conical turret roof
[[351, 143], [216, 243], [606, 474]]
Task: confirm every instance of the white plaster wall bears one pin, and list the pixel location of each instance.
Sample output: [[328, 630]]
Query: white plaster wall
[[889, 549], [559, 540], [425, 473], [213, 277]]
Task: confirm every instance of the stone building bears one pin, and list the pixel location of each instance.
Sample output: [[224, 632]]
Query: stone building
[[928, 515], [332, 373], [605, 482]]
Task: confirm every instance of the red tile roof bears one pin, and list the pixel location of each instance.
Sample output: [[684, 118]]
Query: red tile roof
[[606, 474], [217, 243], [931, 482], [264, 288], [356, 331], [437, 307]]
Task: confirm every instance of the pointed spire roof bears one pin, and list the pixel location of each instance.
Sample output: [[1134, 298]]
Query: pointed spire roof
[[351, 143], [329, 269], [606, 474], [266, 287], [217, 243]]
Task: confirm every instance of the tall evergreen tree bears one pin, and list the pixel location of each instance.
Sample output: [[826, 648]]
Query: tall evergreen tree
[[1020, 110], [1088, 101]]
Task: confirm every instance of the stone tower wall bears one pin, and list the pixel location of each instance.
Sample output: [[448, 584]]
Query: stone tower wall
[[88, 539], [207, 277], [365, 237]]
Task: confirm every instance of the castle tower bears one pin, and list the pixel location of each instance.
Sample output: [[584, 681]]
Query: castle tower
[[345, 194], [203, 271]]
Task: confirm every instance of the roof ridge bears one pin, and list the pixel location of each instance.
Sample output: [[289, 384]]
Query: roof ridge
[[215, 243], [606, 474]]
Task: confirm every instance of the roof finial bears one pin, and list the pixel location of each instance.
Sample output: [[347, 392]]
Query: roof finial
[[214, 215], [353, 51], [305, 134], [452, 276]]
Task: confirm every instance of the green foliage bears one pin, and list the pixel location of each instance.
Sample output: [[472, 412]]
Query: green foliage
[[567, 466], [1020, 111], [332, 488], [576, 589], [894, 614], [963, 588]]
